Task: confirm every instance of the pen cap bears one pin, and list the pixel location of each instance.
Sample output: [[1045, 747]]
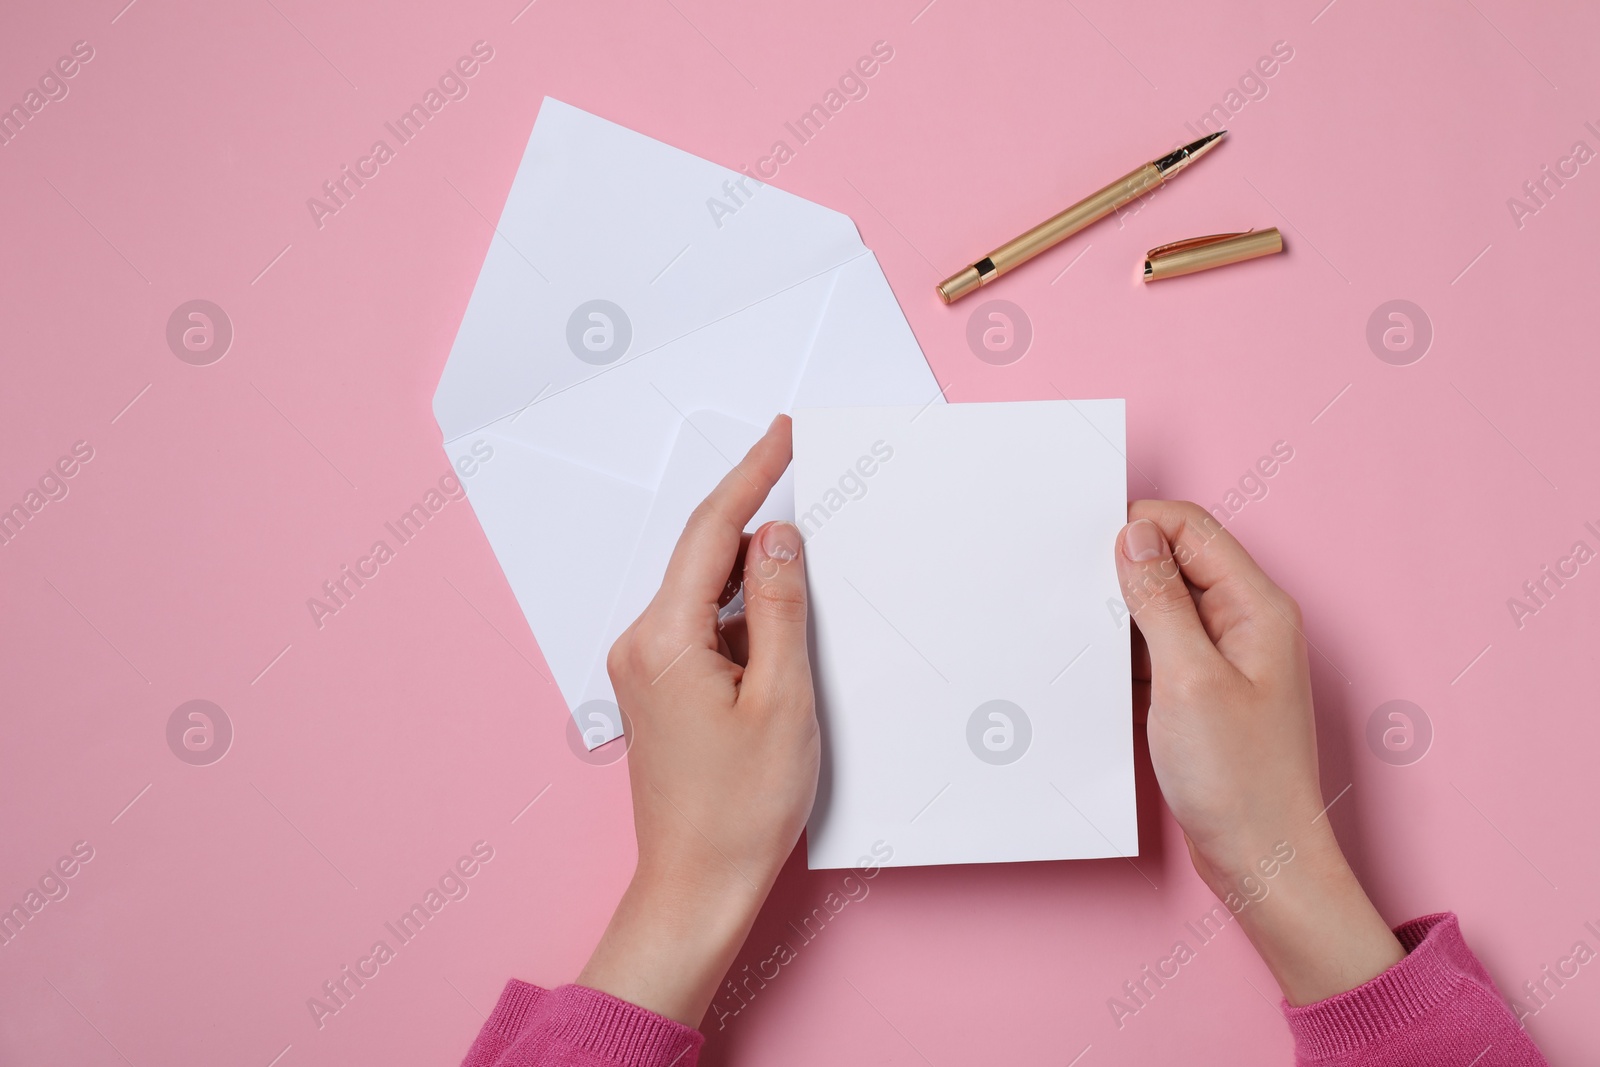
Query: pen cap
[[1215, 250]]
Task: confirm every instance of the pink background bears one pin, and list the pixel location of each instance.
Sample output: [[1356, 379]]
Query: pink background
[[370, 754]]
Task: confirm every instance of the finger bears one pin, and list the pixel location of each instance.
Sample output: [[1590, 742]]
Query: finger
[[698, 571], [1159, 601], [775, 609], [1206, 552], [1249, 618]]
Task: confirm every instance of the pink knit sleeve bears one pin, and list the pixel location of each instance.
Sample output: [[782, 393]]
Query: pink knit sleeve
[[574, 1026], [1438, 1005]]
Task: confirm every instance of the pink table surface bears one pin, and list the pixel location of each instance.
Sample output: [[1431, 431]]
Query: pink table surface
[[371, 753]]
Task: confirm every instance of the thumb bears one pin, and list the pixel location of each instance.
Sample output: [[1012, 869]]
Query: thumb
[[775, 606], [1158, 599]]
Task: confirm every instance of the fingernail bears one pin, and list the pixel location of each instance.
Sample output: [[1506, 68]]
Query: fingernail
[[781, 541], [1144, 542]]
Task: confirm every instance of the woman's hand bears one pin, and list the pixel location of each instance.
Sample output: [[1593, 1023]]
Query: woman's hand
[[724, 746], [1233, 742]]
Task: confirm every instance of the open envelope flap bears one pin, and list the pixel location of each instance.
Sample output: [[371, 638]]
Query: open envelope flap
[[747, 365], [709, 445], [598, 213], [865, 354]]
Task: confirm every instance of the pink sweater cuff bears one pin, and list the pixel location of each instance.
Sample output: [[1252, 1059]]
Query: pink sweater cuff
[[518, 1000], [576, 1024], [1417, 1011]]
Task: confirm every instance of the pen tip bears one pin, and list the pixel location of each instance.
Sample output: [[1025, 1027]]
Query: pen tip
[[1179, 158]]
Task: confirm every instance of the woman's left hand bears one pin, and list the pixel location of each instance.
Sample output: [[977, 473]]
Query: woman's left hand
[[724, 745]]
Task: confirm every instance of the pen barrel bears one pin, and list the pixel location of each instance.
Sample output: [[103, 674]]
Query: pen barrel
[[1090, 209]]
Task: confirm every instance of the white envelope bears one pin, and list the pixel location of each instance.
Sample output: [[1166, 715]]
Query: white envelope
[[972, 683], [623, 347]]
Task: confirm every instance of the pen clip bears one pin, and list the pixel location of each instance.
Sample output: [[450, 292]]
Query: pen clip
[[1194, 242]]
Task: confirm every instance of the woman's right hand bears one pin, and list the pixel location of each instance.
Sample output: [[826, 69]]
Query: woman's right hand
[[1233, 742]]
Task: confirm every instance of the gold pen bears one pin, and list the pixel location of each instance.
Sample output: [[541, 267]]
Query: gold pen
[[1091, 209]]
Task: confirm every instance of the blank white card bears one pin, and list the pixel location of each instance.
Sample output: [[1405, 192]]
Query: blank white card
[[968, 642]]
